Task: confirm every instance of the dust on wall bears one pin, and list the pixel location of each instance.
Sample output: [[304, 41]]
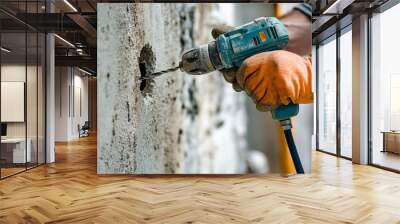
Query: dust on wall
[[175, 123]]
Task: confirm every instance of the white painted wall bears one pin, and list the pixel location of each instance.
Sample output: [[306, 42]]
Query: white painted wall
[[61, 103], [68, 82], [79, 118]]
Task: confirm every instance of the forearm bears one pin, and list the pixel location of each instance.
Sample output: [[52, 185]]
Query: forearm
[[299, 27]]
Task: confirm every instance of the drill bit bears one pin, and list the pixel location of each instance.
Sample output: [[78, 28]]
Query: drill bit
[[153, 75]]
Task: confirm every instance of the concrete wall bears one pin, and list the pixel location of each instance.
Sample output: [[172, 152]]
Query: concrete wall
[[175, 123]]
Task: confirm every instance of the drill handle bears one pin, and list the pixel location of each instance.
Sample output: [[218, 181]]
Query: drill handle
[[284, 112]]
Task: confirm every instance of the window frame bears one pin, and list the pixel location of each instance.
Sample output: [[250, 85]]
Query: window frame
[[380, 9], [334, 37], [27, 29]]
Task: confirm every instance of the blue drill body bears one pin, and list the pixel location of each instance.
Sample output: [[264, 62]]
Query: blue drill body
[[263, 34]]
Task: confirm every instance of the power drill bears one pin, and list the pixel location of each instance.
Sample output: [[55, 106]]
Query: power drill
[[230, 49]]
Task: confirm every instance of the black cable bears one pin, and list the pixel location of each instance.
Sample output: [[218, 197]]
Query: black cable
[[293, 151]]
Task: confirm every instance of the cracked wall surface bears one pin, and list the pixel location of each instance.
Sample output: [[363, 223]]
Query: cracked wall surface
[[175, 123]]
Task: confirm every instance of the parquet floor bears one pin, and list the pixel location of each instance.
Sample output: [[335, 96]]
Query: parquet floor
[[69, 191], [10, 171]]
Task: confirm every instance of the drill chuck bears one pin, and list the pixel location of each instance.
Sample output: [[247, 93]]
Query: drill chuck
[[201, 60]]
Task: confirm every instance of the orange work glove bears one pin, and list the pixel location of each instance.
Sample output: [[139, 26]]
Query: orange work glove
[[275, 78]]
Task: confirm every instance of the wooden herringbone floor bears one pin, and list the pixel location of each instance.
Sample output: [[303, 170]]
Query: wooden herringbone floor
[[69, 191]]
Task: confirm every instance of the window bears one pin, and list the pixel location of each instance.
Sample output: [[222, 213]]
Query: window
[[22, 78], [346, 93], [327, 96], [385, 89]]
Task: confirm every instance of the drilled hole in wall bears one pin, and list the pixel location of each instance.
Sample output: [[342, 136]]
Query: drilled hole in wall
[[146, 66], [143, 83]]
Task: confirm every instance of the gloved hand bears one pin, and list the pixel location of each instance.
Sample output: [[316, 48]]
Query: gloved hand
[[229, 74], [275, 78]]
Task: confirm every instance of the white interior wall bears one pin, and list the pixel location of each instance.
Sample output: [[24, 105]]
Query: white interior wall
[[67, 116], [61, 103], [79, 117]]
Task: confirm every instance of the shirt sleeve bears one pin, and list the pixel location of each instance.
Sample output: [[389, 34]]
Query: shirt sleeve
[[305, 8]]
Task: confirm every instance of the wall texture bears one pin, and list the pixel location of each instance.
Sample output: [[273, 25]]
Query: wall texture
[[175, 123]]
